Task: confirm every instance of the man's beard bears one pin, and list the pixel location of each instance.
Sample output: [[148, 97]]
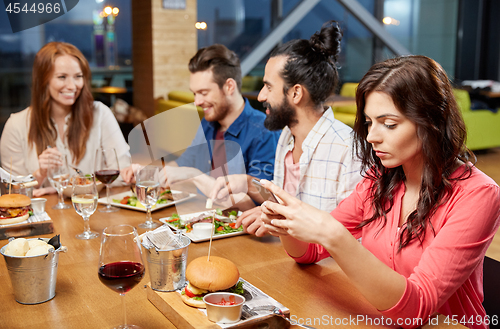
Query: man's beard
[[281, 116]]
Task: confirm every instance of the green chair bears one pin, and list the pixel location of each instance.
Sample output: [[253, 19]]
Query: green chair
[[175, 99], [483, 126], [347, 113]]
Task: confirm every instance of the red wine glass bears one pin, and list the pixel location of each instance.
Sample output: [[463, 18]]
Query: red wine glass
[[106, 169], [120, 262]]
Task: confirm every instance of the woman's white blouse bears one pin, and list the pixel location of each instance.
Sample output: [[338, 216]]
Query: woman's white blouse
[[105, 132]]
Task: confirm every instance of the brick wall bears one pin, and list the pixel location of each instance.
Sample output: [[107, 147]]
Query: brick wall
[[163, 42]]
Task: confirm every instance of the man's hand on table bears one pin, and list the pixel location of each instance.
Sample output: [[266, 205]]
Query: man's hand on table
[[252, 222]]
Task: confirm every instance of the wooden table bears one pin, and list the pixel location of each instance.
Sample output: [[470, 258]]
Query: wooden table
[[320, 293]]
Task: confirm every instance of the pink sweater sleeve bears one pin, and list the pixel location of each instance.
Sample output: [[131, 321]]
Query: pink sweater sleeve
[[351, 210], [314, 254]]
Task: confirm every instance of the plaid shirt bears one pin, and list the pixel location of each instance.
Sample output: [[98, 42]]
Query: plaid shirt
[[328, 171]]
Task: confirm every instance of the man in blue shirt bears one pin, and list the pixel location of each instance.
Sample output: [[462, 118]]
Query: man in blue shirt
[[237, 140]]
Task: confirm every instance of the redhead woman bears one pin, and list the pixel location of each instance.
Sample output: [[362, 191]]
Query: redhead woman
[[61, 119], [425, 214]]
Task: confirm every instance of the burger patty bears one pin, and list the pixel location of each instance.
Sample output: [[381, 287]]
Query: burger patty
[[14, 212]]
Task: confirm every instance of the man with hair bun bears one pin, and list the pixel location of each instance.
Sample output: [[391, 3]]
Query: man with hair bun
[[314, 159]]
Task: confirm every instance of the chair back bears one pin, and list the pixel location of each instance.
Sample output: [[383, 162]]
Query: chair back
[[463, 99], [491, 286], [348, 89]]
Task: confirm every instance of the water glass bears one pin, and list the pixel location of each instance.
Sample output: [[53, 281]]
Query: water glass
[[59, 179], [147, 190], [84, 198]]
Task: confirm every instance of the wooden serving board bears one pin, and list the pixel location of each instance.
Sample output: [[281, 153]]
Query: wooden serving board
[[26, 229], [186, 317], [181, 315]]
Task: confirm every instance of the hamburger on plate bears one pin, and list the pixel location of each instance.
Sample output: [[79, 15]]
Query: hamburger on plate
[[14, 208], [206, 276]]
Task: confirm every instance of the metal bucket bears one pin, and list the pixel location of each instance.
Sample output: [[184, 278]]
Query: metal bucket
[[167, 268], [33, 278], [16, 189]]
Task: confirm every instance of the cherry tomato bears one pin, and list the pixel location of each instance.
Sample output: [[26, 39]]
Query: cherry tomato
[[125, 199]]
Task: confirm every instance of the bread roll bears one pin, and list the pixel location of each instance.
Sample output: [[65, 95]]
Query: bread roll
[[39, 250], [217, 274], [198, 303], [36, 242], [17, 247]]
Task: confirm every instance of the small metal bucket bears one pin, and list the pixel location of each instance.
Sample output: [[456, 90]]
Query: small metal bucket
[[167, 268], [33, 278], [16, 189], [16, 184]]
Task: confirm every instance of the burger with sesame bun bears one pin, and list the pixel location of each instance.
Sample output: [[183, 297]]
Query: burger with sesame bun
[[14, 208], [204, 276]]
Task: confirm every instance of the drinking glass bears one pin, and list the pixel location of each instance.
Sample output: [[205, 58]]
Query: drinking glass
[[106, 169], [147, 189], [59, 178], [120, 262], [84, 198]]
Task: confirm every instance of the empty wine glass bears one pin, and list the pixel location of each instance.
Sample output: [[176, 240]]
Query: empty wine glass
[[84, 198], [58, 176], [120, 262], [147, 189], [106, 169]]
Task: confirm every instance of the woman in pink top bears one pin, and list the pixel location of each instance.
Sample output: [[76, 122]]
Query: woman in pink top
[[424, 213]]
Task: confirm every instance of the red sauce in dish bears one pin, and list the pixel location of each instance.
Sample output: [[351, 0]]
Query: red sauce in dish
[[223, 302]]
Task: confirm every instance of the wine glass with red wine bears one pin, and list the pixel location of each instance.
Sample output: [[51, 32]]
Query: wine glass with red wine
[[106, 169], [120, 262]]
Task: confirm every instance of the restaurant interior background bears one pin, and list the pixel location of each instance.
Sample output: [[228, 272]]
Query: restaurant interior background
[[462, 35]]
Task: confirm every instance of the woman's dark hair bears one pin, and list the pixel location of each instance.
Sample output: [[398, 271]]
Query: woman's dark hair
[[42, 131], [421, 91], [223, 62], [312, 63]]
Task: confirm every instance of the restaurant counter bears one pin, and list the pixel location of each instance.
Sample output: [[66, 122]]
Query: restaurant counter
[[317, 295]]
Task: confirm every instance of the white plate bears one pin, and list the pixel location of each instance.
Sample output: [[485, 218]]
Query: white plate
[[193, 237], [120, 196]]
